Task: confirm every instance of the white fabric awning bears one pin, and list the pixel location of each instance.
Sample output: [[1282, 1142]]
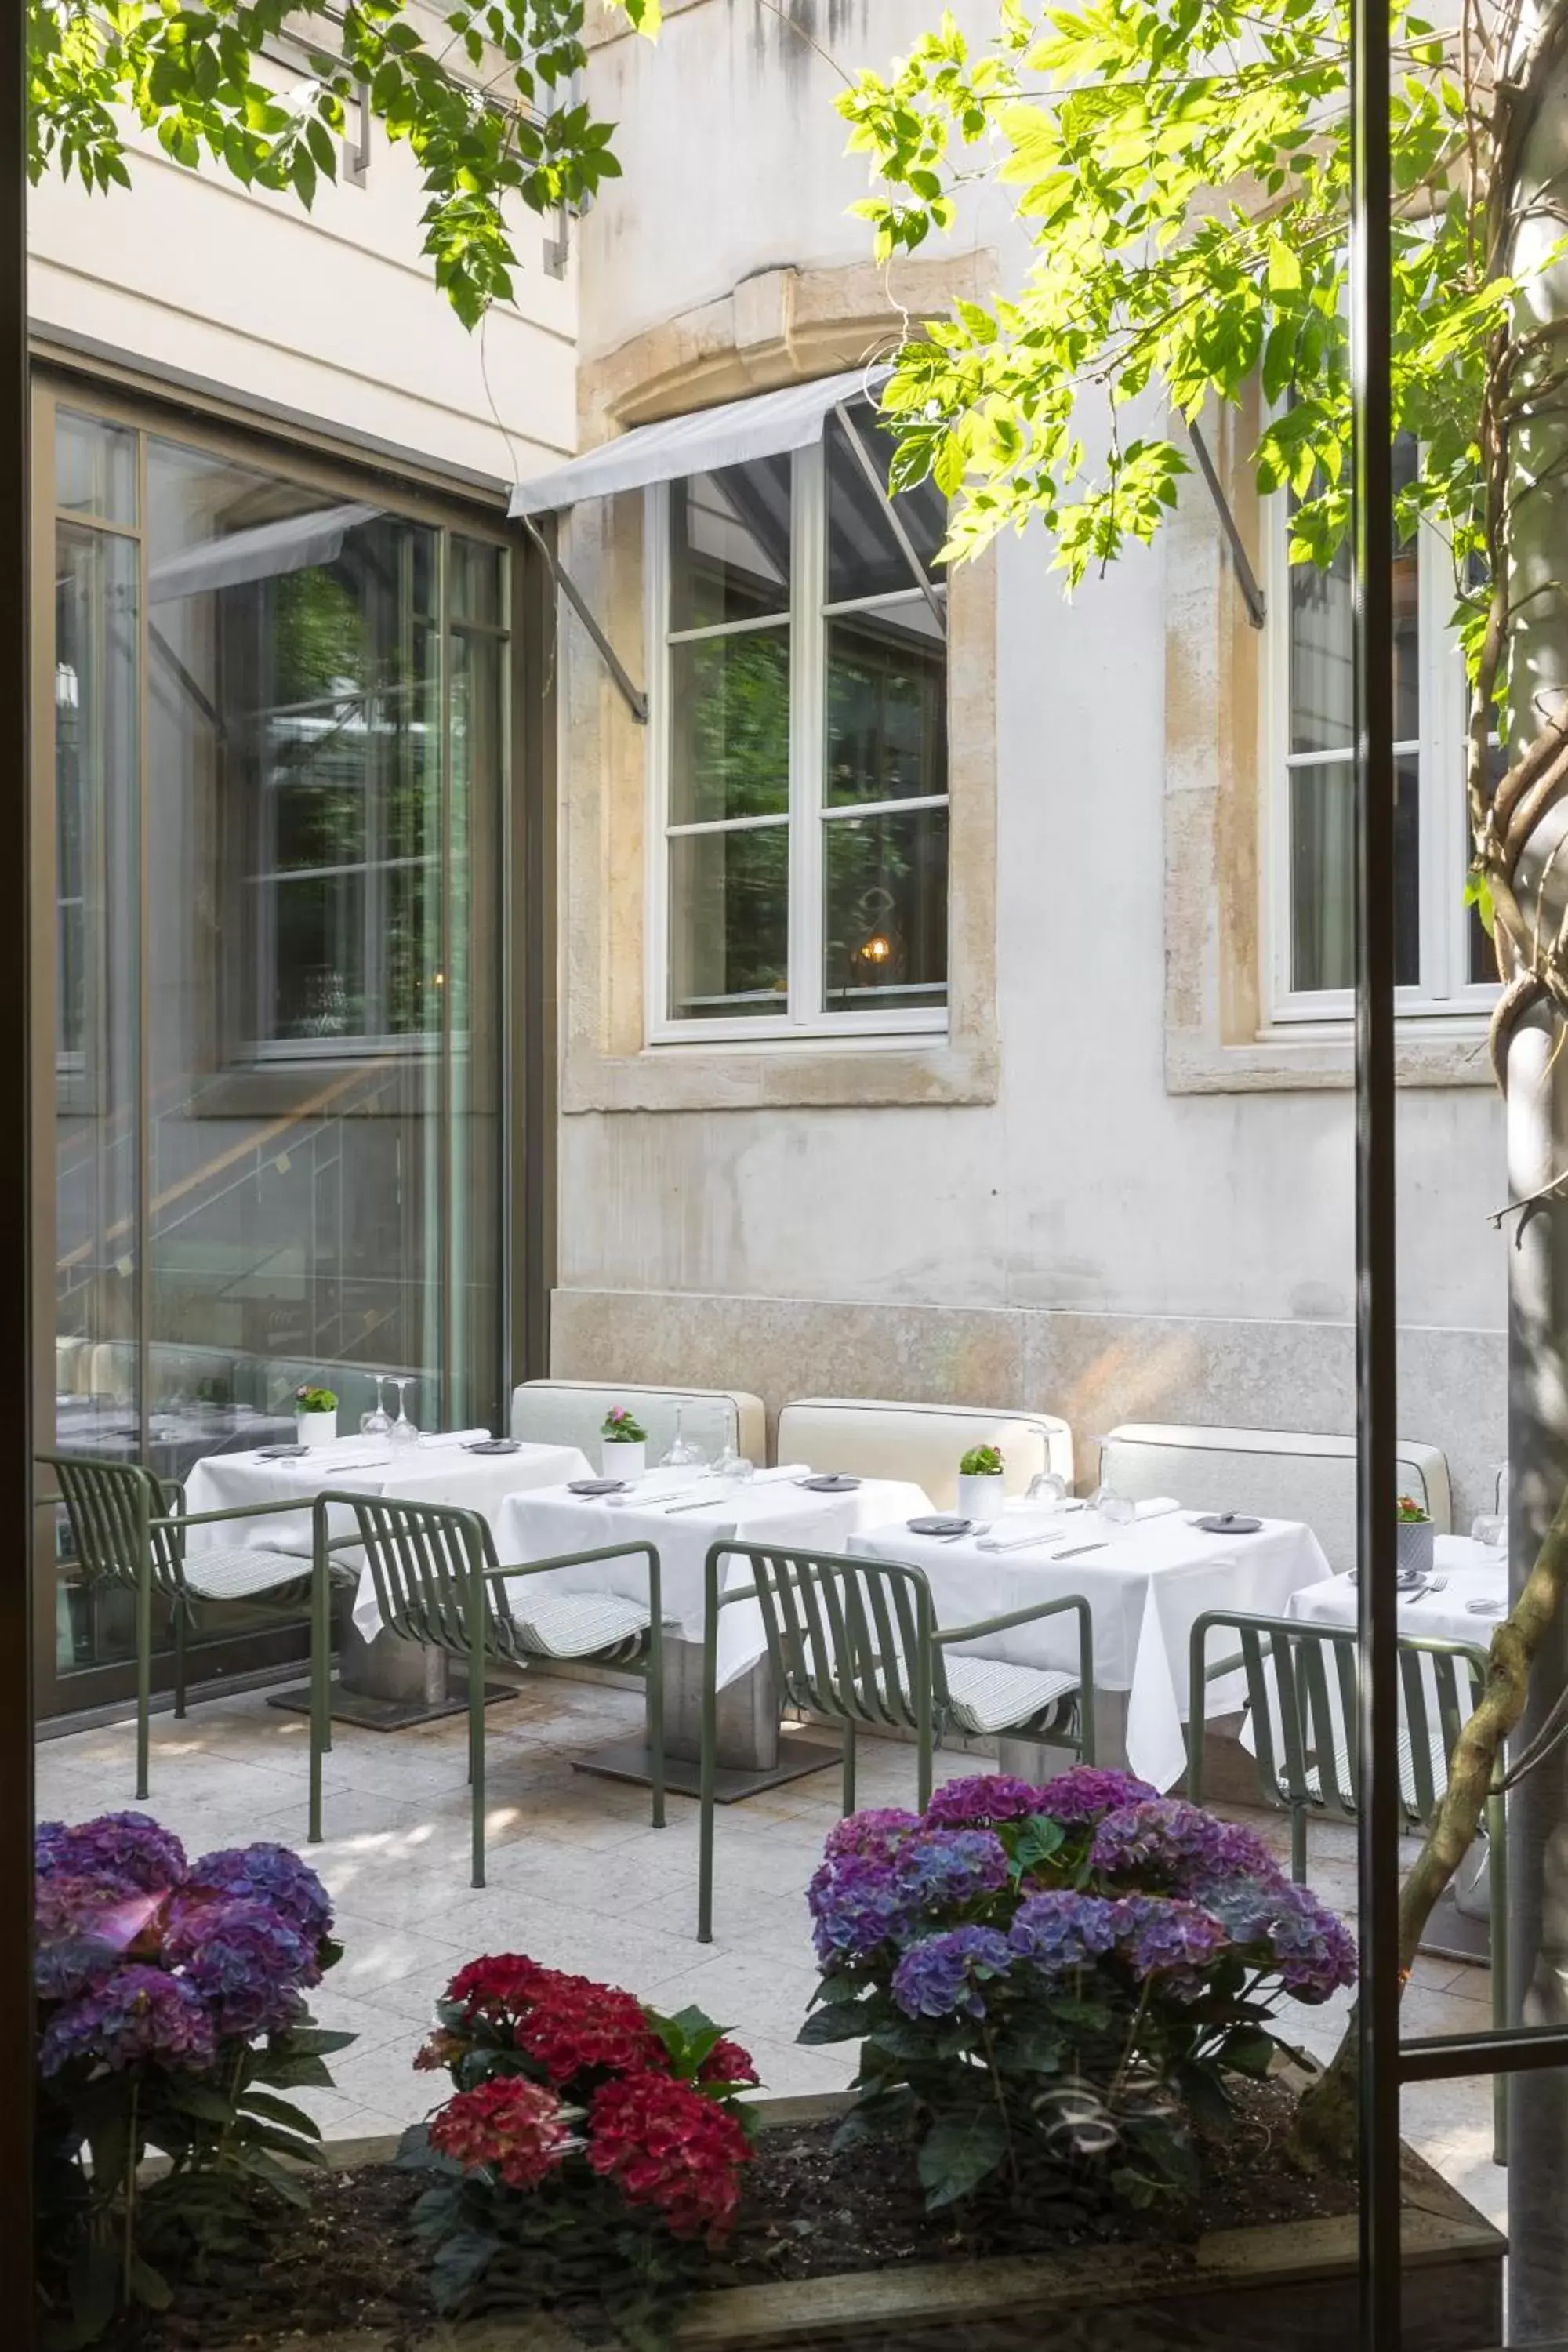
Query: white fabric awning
[[764, 426], [261, 552]]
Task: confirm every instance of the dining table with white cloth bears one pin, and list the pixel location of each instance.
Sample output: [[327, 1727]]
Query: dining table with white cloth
[[1463, 1571], [1147, 1582], [683, 1512], [439, 1468]]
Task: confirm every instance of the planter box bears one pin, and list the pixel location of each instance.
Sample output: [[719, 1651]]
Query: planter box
[[1289, 2288]]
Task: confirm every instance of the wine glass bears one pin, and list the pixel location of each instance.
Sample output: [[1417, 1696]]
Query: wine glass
[[375, 1423], [1116, 1510], [682, 1454], [403, 1431], [732, 1467], [1047, 1487]]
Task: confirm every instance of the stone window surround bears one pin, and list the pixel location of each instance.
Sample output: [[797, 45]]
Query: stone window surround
[[1218, 1037], [779, 327]]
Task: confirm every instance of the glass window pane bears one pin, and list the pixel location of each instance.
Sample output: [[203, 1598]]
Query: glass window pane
[[95, 467], [1323, 872], [885, 909], [730, 725], [729, 923], [729, 544], [864, 558], [887, 705], [1322, 704], [318, 951], [476, 577]]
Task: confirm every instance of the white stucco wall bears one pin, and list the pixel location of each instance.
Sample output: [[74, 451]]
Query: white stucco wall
[[332, 313], [1087, 1188]]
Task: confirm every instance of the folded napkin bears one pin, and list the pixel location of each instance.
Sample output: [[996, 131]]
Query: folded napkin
[[1019, 1536], [454, 1437], [1157, 1506]]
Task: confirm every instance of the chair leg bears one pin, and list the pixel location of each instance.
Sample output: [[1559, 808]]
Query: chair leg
[[321, 1695], [1298, 1844], [924, 1781], [705, 1801], [144, 1673], [848, 1805], [1497, 1871], [656, 1733], [181, 1624]]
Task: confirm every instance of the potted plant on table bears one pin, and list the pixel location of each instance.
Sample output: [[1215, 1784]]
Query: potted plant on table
[[623, 1443], [1417, 1538], [315, 1415], [980, 1481]]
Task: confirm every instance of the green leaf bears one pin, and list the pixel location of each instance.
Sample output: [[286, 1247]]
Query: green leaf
[[281, 2111], [1248, 2050], [959, 2152], [148, 2286], [459, 2264], [840, 2022]]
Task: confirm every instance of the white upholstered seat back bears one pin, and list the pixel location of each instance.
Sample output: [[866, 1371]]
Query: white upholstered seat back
[[1276, 1473], [570, 1413], [922, 1442]]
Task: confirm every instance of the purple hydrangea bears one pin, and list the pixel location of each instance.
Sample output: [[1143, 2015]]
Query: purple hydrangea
[[84, 1926], [951, 1867], [856, 1908], [1061, 1930], [268, 1874], [1313, 1953], [1086, 1792], [246, 1960], [976, 1803], [137, 2013], [941, 1975], [1166, 1841], [128, 1848], [1173, 1940], [876, 1834], [77, 1965]]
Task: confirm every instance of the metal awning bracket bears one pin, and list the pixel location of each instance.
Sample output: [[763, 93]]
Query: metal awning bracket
[[631, 694], [1247, 579], [894, 521]]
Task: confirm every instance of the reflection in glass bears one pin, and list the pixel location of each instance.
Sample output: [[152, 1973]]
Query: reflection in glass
[[729, 923], [95, 468], [729, 544], [1322, 875], [887, 705], [885, 911], [317, 1099], [730, 725], [864, 558], [1322, 686]]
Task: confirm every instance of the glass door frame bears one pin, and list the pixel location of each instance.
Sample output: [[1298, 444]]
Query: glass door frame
[[525, 1092]]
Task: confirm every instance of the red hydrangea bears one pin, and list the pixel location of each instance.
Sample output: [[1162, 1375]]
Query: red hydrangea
[[586, 2028], [728, 2063], [503, 1984], [666, 2146], [515, 2127]]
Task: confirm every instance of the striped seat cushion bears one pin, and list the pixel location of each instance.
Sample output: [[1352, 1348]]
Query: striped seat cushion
[[240, 1574], [578, 1626], [988, 1695], [1407, 1790]]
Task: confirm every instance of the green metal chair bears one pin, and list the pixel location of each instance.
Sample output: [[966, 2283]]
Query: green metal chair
[[1303, 1693], [437, 1582], [129, 1529], [857, 1640]]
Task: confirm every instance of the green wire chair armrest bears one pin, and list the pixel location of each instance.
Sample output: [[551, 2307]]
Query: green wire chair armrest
[[742, 1592], [233, 1511], [1074, 1602], [578, 1559]]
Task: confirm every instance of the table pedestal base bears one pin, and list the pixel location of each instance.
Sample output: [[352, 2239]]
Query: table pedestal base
[[388, 1685], [749, 1754]]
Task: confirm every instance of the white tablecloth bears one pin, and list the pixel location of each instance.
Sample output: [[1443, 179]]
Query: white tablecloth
[[771, 1508], [1474, 1573], [433, 1471], [1146, 1590]]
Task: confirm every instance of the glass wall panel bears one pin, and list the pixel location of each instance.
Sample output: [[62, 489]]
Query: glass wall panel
[[280, 1139]]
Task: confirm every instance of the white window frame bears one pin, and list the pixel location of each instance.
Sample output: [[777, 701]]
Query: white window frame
[[1445, 990], [807, 1017]]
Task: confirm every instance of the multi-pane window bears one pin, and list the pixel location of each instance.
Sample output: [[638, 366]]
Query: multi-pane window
[[1441, 954], [800, 746]]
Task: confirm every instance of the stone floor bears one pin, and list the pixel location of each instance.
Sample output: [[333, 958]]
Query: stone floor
[[579, 1879]]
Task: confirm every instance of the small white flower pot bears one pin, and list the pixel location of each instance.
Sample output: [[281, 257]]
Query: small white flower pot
[[1417, 1544], [979, 1497], [623, 1457], [316, 1428]]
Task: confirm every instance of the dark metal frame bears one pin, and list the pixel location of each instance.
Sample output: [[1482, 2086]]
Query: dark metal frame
[[1386, 2063]]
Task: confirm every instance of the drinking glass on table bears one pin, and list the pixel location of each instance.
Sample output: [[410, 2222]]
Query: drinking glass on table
[[376, 1422], [1489, 1527], [403, 1431], [1047, 1488], [732, 1467], [682, 1454], [1116, 1510]]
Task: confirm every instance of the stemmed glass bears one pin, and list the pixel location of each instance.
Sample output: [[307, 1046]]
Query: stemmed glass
[[732, 1465], [1047, 1487], [1116, 1510], [403, 1431], [682, 1454], [375, 1423]]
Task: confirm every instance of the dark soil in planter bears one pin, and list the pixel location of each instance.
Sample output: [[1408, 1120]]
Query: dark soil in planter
[[351, 2261]]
